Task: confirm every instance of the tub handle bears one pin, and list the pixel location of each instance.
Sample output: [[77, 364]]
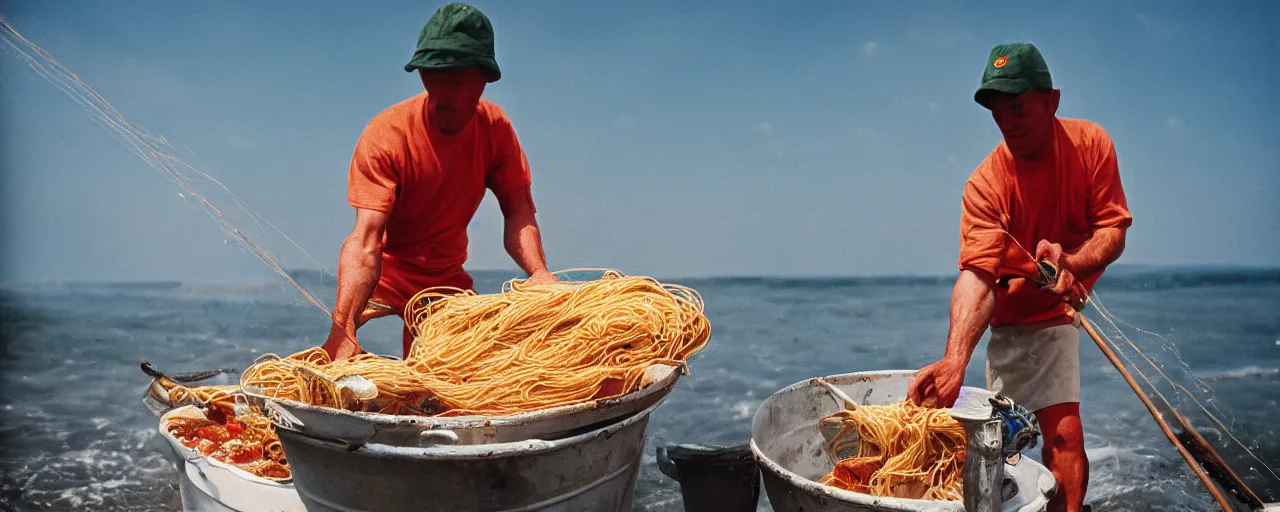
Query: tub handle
[[437, 437], [338, 444]]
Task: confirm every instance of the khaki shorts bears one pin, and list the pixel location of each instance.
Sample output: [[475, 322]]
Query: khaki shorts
[[1035, 365]]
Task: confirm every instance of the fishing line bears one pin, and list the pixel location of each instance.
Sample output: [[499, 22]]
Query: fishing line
[[1168, 345], [1110, 319], [151, 149], [1223, 427]]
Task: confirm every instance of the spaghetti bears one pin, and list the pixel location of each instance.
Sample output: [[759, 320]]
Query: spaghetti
[[218, 397], [903, 451], [528, 348]]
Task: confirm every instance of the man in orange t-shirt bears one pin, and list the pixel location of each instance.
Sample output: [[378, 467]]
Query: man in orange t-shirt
[[418, 175], [1052, 185]]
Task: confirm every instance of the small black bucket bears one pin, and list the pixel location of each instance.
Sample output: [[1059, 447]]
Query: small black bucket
[[713, 477]]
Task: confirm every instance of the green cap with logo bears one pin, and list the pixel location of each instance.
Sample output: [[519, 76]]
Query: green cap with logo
[[1013, 68], [457, 36]]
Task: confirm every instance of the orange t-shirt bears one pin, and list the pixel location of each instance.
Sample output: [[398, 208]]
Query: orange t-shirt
[[1063, 201], [431, 184]]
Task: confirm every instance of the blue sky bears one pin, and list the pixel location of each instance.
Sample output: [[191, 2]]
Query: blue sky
[[826, 138]]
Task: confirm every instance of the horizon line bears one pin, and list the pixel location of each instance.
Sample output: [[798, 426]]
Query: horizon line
[[691, 277]]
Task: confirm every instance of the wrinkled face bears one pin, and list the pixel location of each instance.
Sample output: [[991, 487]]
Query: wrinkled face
[[1025, 120], [452, 96]]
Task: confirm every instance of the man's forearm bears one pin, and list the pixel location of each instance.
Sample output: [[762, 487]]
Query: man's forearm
[[1100, 250], [523, 241], [359, 268], [973, 301]]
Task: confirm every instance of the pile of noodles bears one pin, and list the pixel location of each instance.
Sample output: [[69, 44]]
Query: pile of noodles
[[903, 451], [528, 348]]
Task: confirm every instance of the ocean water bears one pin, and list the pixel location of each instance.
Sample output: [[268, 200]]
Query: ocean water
[[76, 436]]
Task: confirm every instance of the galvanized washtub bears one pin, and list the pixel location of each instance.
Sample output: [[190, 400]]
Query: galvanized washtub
[[409, 431], [789, 449], [594, 470]]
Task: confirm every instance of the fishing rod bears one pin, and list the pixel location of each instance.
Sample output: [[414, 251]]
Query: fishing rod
[[1151, 408], [1204, 456], [1214, 464]]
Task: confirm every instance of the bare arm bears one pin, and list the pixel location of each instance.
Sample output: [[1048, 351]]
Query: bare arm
[[1102, 249], [359, 267], [1093, 256], [973, 301], [521, 236]]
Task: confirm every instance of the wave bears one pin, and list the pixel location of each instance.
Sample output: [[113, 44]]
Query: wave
[[1119, 278], [1245, 372], [810, 283], [1160, 278]]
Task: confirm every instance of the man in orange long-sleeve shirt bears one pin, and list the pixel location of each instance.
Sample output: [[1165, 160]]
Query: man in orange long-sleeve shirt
[[418, 175], [1053, 185]]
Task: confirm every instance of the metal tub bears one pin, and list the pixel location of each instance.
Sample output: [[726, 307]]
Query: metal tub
[[592, 471], [401, 430], [789, 449]]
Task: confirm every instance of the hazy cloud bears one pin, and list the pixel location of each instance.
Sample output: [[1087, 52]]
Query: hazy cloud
[[869, 48]]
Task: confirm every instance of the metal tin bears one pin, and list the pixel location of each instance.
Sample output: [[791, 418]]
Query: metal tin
[[401, 430], [789, 449], [595, 470]]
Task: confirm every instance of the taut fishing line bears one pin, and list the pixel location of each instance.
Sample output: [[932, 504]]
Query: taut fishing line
[[152, 149], [1203, 386]]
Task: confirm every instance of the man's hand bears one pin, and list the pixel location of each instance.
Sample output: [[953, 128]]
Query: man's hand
[[341, 344], [1066, 286], [937, 385], [542, 277]]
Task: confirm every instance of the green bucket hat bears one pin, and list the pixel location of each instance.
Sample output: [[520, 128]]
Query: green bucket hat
[[1014, 69], [457, 35]]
